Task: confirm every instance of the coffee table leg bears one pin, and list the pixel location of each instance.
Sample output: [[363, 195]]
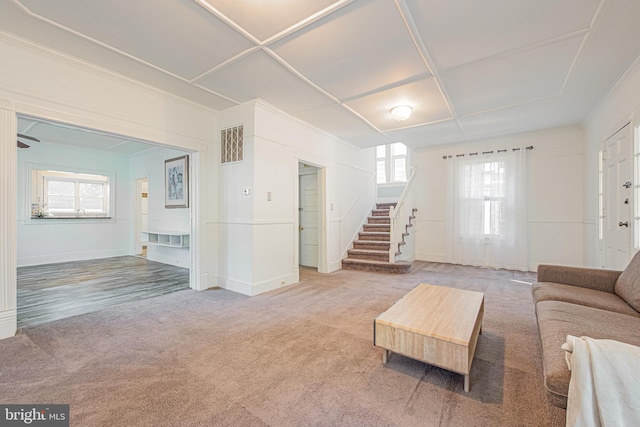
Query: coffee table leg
[[385, 355], [466, 383]]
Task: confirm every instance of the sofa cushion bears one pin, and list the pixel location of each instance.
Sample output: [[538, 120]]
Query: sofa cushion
[[628, 284], [557, 319], [594, 278], [546, 291]]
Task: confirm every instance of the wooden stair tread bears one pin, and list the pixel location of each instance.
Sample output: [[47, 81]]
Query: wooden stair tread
[[367, 251], [370, 261], [380, 245], [380, 237], [386, 205]]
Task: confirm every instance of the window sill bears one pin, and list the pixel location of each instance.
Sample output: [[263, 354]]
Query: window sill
[[68, 220], [70, 217]]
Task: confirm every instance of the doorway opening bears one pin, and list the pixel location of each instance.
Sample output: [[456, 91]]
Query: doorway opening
[[142, 215], [309, 215], [82, 262]]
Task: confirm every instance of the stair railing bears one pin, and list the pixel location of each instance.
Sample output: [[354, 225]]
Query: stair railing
[[402, 210]]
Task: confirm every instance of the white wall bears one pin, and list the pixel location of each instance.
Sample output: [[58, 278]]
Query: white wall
[[555, 195], [390, 192], [231, 218], [350, 178], [49, 241], [258, 243], [620, 106], [51, 85], [160, 219]]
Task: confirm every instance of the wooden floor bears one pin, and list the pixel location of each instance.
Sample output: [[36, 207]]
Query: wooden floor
[[55, 291]]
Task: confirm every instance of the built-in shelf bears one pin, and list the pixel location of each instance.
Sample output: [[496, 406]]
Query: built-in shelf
[[166, 238]]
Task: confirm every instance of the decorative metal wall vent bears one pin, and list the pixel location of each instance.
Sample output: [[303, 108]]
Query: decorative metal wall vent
[[232, 144]]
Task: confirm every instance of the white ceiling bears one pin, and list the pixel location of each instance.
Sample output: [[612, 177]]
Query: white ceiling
[[56, 133], [469, 69]]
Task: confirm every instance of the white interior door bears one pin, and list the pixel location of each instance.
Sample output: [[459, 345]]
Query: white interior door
[[309, 220], [618, 190]]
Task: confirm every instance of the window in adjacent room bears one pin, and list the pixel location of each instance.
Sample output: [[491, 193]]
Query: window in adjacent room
[[62, 194], [391, 163]]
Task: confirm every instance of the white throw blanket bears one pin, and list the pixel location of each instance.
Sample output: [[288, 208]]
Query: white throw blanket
[[605, 382]]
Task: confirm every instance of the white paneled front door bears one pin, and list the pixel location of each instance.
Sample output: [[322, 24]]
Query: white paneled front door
[[618, 190]]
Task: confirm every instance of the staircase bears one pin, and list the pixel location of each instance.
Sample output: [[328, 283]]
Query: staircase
[[371, 250]]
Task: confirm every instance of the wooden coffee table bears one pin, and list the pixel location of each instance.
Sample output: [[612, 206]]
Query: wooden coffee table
[[434, 324]]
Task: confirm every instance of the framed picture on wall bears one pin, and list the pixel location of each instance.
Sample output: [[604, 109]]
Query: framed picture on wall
[[176, 182]]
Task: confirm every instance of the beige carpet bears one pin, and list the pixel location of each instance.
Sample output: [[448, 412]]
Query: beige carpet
[[299, 356]]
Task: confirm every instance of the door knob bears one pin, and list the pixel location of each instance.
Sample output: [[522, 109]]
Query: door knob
[[302, 228], [623, 224]]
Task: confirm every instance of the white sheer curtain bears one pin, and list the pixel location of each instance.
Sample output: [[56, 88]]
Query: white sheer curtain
[[486, 210]]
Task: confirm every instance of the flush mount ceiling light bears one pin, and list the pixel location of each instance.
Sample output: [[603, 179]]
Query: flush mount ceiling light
[[401, 112]]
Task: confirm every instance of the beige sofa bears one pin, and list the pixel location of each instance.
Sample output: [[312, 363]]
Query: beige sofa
[[601, 304]]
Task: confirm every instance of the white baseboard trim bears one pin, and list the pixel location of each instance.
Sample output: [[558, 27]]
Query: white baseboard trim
[[234, 285], [261, 287], [203, 284], [178, 260], [70, 256], [334, 266], [8, 323], [430, 257], [276, 283]]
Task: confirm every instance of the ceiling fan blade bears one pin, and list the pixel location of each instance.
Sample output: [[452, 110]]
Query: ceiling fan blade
[[31, 138], [22, 145]]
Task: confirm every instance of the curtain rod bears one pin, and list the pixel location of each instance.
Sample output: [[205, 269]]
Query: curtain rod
[[488, 152]]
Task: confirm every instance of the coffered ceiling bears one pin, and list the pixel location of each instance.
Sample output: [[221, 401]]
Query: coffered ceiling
[[469, 69]]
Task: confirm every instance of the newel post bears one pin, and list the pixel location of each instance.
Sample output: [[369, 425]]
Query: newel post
[[392, 226]]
